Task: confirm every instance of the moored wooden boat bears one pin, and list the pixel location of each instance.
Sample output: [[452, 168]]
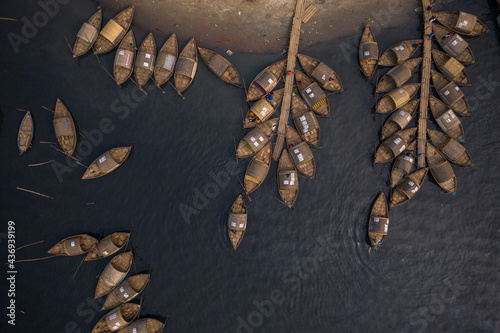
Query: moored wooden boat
[[124, 59], [87, 34], [301, 153], [321, 73], [25, 134], [266, 80], [126, 291], [186, 66], [399, 52], [221, 67], [237, 221], [107, 162], [144, 325], [258, 168], [441, 169], [113, 273], [74, 245], [113, 31], [145, 60], [396, 98], [398, 75], [257, 138], [453, 44], [263, 109], [305, 121], [450, 148], [408, 187], [64, 128], [288, 181], [368, 53], [118, 318], [165, 63], [462, 22], [403, 164], [378, 225], [108, 245], [393, 146], [399, 119], [312, 94], [450, 93], [450, 67], [446, 118]]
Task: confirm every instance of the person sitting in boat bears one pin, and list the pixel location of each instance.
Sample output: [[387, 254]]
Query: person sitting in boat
[[270, 96], [252, 117]]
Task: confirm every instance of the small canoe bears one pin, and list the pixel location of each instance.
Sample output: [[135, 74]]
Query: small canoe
[[126, 291], [25, 134], [263, 109], [368, 52], [446, 118], [257, 138], [312, 94], [145, 61], [118, 318], [441, 169], [410, 185], [450, 67], [74, 245], [107, 162], [394, 145], [453, 44], [237, 221], [221, 67], [87, 34], [145, 325], [399, 119], [403, 164], [258, 168], [114, 272], [453, 150], [107, 246], [113, 32], [396, 98], [462, 22], [266, 80], [301, 153], [399, 52], [64, 128], [186, 66], [321, 73], [305, 121], [124, 59], [450, 93], [288, 180], [378, 225], [398, 75], [165, 63]]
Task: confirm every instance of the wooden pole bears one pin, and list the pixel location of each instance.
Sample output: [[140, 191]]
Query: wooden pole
[[40, 194], [38, 164]]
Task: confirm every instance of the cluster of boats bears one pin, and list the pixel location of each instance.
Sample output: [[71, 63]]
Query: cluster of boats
[[445, 146]]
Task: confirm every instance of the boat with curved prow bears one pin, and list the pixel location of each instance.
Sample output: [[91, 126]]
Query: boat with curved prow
[[107, 246], [144, 325], [408, 187], [312, 94], [378, 225], [263, 109], [114, 272], [266, 80], [403, 164], [450, 94], [237, 221], [221, 67], [453, 44], [64, 127], [301, 153], [305, 121], [400, 52], [258, 168], [446, 118], [186, 66], [87, 35], [25, 133], [165, 63], [107, 162], [398, 75], [145, 60], [257, 138], [396, 98], [73, 245], [126, 291], [390, 148], [288, 181], [399, 119], [118, 318], [124, 59], [441, 169], [368, 53], [462, 22], [113, 32], [321, 73], [451, 68], [453, 150]]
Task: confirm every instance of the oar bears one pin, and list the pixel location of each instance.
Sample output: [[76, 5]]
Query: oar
[[157, 85], [40, 194], [46, 108], [38, 164], [35, 259], [22, 247]]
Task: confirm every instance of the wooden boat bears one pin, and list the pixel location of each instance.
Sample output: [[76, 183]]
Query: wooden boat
[[237, 221], [450, 148], [305, 121], [145, 325], [396, 98], [399, 52], [312, 94], [124, 59], [288, 180], [118, 318], [399, 119], [165, 63], [186, 66], [403, 164], [107, 246], [321, 73], [258, 168], [113, 31], [462, 22], [441, 169], [263, 109], [368, 53], [87, 34], [450, 93], [410, 185], [398, 75], [64, 128], [266, 80], [378, 225], [301, 153], [446, 118], [25, 134], [453, 44], [393, 146], [113, 273], [74, 245], [450, 67], [126, 291], [145, 60], [221, 67], [107, 162], [257, 138]]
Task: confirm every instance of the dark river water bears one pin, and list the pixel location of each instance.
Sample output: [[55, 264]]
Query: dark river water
[[301, 270]]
